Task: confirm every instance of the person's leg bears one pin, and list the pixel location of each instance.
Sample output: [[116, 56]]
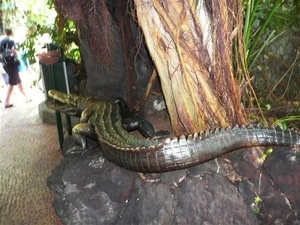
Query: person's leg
[[14, 79], [8, 95], [20, 86], [11, 71]]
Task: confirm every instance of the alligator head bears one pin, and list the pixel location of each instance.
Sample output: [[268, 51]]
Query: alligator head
[[70, 104]]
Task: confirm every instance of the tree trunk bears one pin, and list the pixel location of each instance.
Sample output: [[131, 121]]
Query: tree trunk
[[191, 45]]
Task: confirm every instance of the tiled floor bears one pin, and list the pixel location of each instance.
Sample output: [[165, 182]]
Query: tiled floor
[[29, 150]]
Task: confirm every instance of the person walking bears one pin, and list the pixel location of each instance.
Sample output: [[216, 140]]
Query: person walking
[[11, 66], [4, 76]]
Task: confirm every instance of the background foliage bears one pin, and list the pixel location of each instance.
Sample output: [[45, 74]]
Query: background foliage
[[272, 39], [265, 21], [31, 20], [27, 15]]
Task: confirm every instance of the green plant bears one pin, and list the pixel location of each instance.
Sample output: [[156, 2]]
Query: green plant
[[65, 36], [29, 14], [29, 19], [40, 17], [266, 153], [264, 21], [29, 45], [255, 204], [282, 122]]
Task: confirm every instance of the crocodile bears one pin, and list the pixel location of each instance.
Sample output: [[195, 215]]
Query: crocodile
[[102, 121]]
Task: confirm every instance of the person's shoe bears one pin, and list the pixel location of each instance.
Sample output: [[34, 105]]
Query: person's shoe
[[9, 106], [29, 100]]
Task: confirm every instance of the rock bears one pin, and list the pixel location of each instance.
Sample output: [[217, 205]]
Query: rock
[[89, 190], [151, 203], [239, 188], [116, 182], [195, 200], [274, 182], [173, 177], [282, 169], [211, 199]]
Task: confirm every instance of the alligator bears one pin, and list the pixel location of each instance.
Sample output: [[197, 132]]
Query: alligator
[[103, 121]]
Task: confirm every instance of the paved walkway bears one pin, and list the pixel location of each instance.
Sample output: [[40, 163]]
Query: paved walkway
[[29, 150]]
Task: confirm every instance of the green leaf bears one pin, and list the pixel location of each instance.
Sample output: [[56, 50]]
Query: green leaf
[[257, 199]]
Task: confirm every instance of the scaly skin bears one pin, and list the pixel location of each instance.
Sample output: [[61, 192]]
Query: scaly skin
[[102, 120]]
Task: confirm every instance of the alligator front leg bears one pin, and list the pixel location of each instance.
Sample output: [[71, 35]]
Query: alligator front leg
[[80, 133], [132, 122], [87, 113]]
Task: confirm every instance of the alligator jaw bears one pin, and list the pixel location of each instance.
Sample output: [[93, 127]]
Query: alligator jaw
[[70, 110], [59, 96]]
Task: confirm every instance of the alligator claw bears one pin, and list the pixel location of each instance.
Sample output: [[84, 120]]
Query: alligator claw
[[75, 150]]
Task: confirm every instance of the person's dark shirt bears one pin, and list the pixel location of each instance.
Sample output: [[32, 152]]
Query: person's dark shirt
[[10, 44]]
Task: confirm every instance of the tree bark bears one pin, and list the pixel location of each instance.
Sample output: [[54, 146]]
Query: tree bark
[[191, 45]]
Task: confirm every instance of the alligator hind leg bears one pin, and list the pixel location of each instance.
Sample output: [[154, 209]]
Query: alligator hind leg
[[131, 122], [80, 133], [147, 130]]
